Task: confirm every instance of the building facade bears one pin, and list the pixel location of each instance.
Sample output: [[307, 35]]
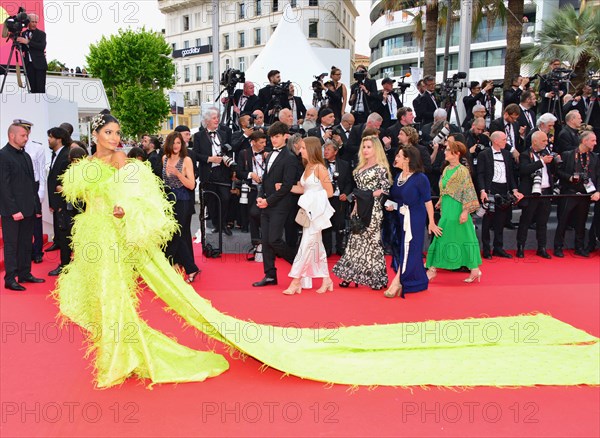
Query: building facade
[[245, 26], [394, 48]]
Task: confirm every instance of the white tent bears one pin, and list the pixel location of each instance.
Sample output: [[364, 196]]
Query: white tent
[[289, 52]]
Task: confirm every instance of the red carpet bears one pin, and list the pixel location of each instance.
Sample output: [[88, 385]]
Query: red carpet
[[46, 389]]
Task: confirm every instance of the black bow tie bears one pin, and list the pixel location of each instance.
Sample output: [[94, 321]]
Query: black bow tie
[[332, 162], [258, 153], [497, 153], [277, 149], [212, 133]]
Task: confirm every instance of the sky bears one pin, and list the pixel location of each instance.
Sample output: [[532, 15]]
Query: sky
[[73, 25]]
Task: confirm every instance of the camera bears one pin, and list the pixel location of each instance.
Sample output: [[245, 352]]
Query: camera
[[317, 85], [296, 129], [450, 87], [231, 77], [557, 77], [14, 25], [536, 188], [360, 76], [282, 89], [441, 137], [244, 190], [227, 161]]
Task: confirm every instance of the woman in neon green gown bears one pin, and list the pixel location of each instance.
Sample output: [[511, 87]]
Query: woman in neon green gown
[[458, 245], [118, 240]]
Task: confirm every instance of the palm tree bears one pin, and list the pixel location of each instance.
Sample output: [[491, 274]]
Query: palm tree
[[571, 36]]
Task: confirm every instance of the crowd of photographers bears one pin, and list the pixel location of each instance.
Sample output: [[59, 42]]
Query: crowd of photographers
[[545, 148]]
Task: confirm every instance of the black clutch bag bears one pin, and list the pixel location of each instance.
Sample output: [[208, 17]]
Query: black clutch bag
[[356, 224]]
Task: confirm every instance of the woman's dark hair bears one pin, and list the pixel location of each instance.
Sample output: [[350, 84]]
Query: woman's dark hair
[[103, 119], [77, 153], [170, 140], [80, 144], [415, 162], [136, 152]]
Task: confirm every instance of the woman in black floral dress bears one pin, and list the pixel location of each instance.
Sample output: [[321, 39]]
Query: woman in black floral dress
[[364, 261]]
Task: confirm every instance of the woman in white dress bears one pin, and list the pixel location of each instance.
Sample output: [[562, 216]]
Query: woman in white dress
[[315, 187]]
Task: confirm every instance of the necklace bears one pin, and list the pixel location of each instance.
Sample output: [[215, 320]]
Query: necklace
[[402, 181]]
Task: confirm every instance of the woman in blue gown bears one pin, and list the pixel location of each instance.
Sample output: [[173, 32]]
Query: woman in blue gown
[[412, 192]]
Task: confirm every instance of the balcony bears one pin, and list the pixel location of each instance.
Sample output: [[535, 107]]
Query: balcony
[[393, 23], [394, 51], [168, 6]]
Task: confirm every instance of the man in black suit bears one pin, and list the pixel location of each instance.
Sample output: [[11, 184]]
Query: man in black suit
[[579, 172], [245, 101], [476, 142], [509, 125], [151, 146], [251, 168], [390, 103], [215, 174], [550, 101], [33, 41], [58, 141], [240, 140], [275, 203], [476, 96], [341, 177], [568, 137], [267, 99], [536, 165], [586, 104], [363, 96], [19, 203], [495, 177], [342, 131], [527, 115], [544, 123], [295, 104], [324, 128], [513, 94], [427, 103], [404, 117], [350, 153]]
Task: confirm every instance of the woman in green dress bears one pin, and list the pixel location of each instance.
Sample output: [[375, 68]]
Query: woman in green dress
[[458, 245]]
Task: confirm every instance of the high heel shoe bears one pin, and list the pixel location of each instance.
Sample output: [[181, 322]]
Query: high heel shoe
[[347, 283], [192, 277], [326, 286], [472, 277], [431, 273], [294, 288], [395, 290]]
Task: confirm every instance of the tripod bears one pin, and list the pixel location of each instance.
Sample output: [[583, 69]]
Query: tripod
[[275, 105], [554, 107], [19, 50], [229, 118]]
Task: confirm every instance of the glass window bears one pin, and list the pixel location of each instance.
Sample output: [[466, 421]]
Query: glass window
[[199, 96], [226, 41], [241, 39], [198, 72], [174, 46], [210, 71], [186, 44], [242, 11], [197, 20], [258, 8], [257, 37], [478, 59], [210, 41], [452, 62], [343, 40], [186, 74], [313, 2], [186, 22], [293, 3], [198, 42], [242, 63], [313, 26], [227, 63], [275, 5]]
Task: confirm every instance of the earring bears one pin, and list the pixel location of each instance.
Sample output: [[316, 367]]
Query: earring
[[94, 139]]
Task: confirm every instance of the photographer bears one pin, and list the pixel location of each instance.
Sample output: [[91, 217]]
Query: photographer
[[211, 144], [295, 104], [568, 138], [324, 129], [271, 96], [336, 93], [390, 103], [527, 117], [33, 41], [340, 175], [495, 181], [240, 140], [545, 123], [427, 103], [478, 112], [251, 170], [476, 141], [508, 124], [489, 101], [245, 101], [552, 87], [585, 103], [578, 173], [513, 94], [476, 96], [363, 95], [537, 167]]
